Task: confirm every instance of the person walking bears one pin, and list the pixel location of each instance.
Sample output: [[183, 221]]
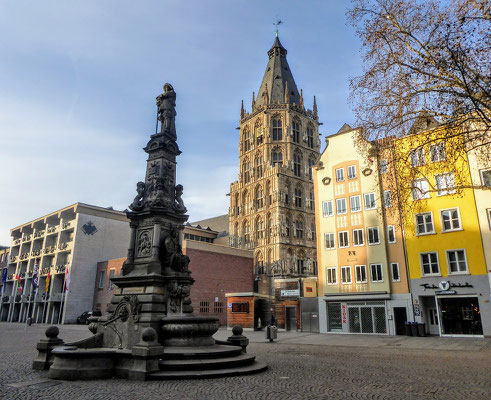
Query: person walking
[[271, 331]]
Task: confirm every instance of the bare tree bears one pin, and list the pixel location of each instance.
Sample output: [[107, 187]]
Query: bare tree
[[426, 67]]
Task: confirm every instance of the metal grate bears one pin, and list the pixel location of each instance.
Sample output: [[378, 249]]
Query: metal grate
[[334, 317], [204, 307], [218, 307], [366, 319]]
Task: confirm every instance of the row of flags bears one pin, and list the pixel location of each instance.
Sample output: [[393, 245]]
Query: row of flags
[[35, 280]]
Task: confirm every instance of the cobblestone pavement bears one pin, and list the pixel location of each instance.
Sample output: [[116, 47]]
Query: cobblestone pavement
[[296, 371]]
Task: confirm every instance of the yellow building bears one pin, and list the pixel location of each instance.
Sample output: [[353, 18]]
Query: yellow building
[[363, 285], [443, 235]]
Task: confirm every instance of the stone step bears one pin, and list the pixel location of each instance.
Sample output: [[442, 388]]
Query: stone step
[[202, 364], [215, 351], [209, 373]]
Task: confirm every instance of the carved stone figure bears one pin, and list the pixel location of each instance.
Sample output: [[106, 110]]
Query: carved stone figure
[[144, 244], [178, 203], [166, 103], [171, 253], [137, 204]]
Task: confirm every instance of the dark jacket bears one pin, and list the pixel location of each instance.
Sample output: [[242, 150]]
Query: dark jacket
[[272, 320]]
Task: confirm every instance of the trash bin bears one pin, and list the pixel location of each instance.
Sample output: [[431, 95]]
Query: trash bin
[[271, 332], [407, 327], [29, 321], [414, 328], [421, 329]]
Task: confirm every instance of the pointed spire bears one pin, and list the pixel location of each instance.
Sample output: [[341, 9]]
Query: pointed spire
[[286, 92], [242, 111], [301, 99], [253, 102], [314, 108]]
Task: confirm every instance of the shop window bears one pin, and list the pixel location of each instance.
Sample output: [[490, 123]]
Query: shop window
[[429, 263], [424, 223], [373, 236], [343, 240], [369, 199], [450, 220], [331, 275], [361, 273], [394, 267], [457, 262], [376, 273], [358, 239], [240, 307]]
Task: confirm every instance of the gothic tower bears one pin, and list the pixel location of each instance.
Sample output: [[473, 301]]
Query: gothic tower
[[272, 203]]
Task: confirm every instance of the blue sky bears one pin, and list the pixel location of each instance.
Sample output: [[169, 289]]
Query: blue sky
[[78, 82]]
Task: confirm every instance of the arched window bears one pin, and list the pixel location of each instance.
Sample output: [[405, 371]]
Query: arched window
[[287, 227], [246, 231], [259, 197], [259, 166], [311, 164], [299, 229], [301, 262], [245, 202], [296, 132], [298, 197], [237, 204], [247, 140], [277, 157], [269, 227], [277, 129], [259, 228], [269, 197], [246, 170], [289, 260], [259, 263], [313, 232], [311, 201], [297, 164], [310, 137], [259, 133]]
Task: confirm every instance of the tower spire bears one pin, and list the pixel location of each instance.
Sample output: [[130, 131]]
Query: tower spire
[[314, 108], [253, 102], [286, 92], [242, 111], [301, 99]]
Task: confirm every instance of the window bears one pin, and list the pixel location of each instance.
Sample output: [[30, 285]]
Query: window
[[277, 157], [387, 199], [445, 183], [383, 166], [424, 224], [260, 229], [450, 220], [456, 261], [295, 132], [417, 157], [343, 240], [341, 206], [312, 230], [247, 140], [310, 138], [345, 275], [298, 197], [420, 189], [358, 239], [488, 211], [111, 275], [352, 172], [331, 275], [277, 130], [311, 164], [369, 199], [217, 307], [355, 203], [204, 307], [299, 229], [240, 307], [486, 178], [376, 273], [391, 236], [327, 209], [429, 263], [259, 198], [339, 175], [394, 268], [246, 166], [259, 166], [311, 201], [101, 279], [361, 273], [437, 152], [373, 236], [297, 164], [329, 240]]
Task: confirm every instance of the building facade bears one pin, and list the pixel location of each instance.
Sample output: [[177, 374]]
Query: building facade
[[4, 258], [272, 203], [446, 233], [363, 284], [64, 248]]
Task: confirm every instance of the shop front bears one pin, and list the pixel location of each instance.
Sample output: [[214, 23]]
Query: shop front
[[453, 306]]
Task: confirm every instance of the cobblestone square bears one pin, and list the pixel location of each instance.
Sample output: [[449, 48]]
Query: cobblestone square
[[301, 366]]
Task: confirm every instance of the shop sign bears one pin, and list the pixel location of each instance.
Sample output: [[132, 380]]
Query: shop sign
[[445, 292], [343, 310], [417, 310], [229, 305], [445, 285], [290, 292]]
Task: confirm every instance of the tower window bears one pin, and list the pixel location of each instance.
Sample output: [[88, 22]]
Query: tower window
[[297, 164], [310, 138], [277, 157], [298, 197], [296, 132], [277, 130]]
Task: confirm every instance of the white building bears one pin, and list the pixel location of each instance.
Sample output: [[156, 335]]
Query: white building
[[65, 243]]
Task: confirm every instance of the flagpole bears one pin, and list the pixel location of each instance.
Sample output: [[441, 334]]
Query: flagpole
[[62, 293]]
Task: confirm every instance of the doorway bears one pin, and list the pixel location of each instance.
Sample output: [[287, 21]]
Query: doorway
[[460, 316], [291, 318], [400, 318]]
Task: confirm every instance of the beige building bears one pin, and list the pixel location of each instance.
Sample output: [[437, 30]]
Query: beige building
[[272, 203], [63, 245], [363, 285]]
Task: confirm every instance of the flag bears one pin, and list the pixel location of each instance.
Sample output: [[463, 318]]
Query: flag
[[67, 280], [35, 277], [48, 277], [4, 280], [19, 283]]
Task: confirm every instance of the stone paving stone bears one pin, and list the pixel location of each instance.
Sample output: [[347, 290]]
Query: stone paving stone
[[296, 371]]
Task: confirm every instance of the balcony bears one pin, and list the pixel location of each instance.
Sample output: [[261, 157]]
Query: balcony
[[57, 297], [60, 268], [17, 242], [39, 297], [18, 298], [45, 270], [39, 234], [10, 277], [49, 250], [22, 275], [64, 246], [35, 253], [24, 256], [13, 259], [52, 229], [66, 225], [6, 299]]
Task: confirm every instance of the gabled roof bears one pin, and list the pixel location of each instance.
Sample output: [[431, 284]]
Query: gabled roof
[[276, 78], [344, 128]]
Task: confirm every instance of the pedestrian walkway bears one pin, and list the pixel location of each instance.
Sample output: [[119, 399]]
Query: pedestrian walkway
[[373, 341]]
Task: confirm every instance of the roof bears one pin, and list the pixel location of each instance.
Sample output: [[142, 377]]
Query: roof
[[277, 77], [218, 223]]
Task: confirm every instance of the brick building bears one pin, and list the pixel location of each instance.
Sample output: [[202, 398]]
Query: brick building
[[217, 270]]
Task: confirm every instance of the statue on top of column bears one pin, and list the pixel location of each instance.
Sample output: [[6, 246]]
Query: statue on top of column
[[166, 103]]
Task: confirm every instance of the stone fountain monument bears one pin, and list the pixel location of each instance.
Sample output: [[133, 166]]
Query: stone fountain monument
[[150, 331]]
